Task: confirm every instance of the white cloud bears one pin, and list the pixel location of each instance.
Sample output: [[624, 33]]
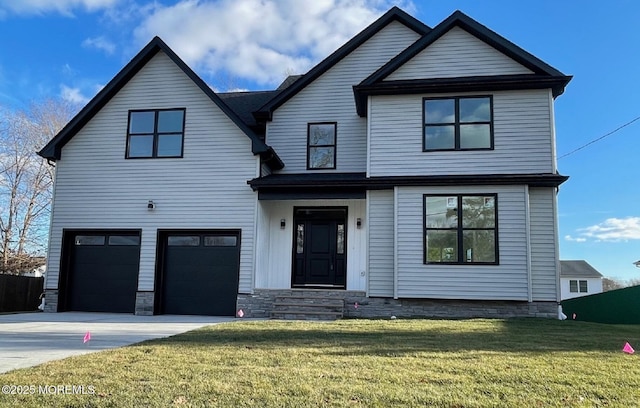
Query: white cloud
[[100, 43], [73, 95], [258, 40], [65, 7], [610, 230]]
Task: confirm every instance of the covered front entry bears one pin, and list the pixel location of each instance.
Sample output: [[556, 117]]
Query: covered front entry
[[319, 247], [199, 272]]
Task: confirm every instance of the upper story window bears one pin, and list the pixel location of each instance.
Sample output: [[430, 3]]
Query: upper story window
[[461, 229], [460, 123], [155, 133], [321, 145]]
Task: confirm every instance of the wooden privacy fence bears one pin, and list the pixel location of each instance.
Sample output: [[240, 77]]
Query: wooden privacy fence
[[20, 293]]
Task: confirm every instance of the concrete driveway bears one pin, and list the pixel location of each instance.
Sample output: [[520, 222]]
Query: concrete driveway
[[29, 339]]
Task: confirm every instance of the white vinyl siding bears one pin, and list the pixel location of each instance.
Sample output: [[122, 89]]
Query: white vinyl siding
[[522, 138], [457, 54], [506, 281], [594, 286], [96, 187], [275, 245], [543, 244], [330, 99], [380, 215]]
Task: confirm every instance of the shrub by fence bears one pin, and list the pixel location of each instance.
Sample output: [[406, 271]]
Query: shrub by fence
[[20, 293], [621, 306]]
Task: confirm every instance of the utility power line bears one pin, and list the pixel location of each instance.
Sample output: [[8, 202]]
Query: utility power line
[[598, 139]]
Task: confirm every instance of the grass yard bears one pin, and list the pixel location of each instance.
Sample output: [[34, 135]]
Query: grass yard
[[370, 363]]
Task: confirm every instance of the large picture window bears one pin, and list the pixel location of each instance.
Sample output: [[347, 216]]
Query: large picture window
[[321, 145], [461, 229], [155, 133], [458, 123]]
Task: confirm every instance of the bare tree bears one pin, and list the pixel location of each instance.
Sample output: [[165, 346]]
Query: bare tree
[[611, 284], [26, 180]]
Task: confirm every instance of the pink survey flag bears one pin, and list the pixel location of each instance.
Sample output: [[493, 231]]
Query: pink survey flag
[[355, 305], [87, 337], [628, 349], [574, 316], [240, 313]]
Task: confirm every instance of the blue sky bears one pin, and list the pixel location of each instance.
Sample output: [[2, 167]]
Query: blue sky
[[71, 48]]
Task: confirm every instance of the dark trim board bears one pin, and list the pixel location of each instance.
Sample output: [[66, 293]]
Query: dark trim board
[[456, 85], [354, 185]]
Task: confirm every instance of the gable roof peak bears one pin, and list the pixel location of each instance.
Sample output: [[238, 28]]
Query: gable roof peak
[[393, 14], [53, 149]]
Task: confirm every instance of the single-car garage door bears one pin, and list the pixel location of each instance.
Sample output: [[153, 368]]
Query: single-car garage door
[[103, 271], [200, 272]]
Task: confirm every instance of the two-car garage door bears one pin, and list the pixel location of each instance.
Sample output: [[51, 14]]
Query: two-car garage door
[[197, 271]]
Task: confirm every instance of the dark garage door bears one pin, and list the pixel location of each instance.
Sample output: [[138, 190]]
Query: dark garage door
[[200, 274], [103, 273]]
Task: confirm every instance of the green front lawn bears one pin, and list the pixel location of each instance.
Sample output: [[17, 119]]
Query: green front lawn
[[448, 363]]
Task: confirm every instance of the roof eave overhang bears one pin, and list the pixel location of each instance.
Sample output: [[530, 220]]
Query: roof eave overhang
[[280, 182], [557, 85]]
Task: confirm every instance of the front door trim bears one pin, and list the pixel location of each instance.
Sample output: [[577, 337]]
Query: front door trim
[[335, 215]]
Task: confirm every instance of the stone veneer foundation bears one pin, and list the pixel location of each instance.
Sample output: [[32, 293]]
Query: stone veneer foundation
[[358, 305]]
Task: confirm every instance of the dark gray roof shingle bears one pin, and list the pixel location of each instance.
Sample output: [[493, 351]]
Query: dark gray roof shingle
[[578, 269]]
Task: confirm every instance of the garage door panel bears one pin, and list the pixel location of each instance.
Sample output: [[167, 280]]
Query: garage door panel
[[203, 278], [103, 276]]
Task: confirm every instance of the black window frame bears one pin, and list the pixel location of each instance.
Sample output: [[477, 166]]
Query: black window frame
[[456, 124], [460, 230], [156, 134], [334, 145]]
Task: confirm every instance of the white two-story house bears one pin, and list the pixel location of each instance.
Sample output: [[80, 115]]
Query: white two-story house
[[411, 172]]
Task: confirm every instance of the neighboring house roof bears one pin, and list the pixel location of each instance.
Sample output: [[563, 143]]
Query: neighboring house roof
[[544, 75], [578, 269], [53, 149], [394, 14]]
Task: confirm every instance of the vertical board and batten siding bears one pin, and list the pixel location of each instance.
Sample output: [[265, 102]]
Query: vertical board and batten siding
[[330, 99], [544, 243], [381, 243], [457, 54], [506, 281], [275, 245], [97, 188], [522, 138]]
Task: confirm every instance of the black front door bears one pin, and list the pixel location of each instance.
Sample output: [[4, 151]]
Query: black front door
[[319, 247]]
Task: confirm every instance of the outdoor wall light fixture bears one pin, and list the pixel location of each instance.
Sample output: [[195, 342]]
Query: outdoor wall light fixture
[[283, 223], [151, 205], [359, 223]]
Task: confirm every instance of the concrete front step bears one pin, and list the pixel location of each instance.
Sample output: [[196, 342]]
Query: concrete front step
[[305, 315], [305, 307]]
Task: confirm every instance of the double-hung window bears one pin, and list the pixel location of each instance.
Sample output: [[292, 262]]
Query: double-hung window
[[461, 229], [460, 123], [321, 145], [576, 286], [155, 133]]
